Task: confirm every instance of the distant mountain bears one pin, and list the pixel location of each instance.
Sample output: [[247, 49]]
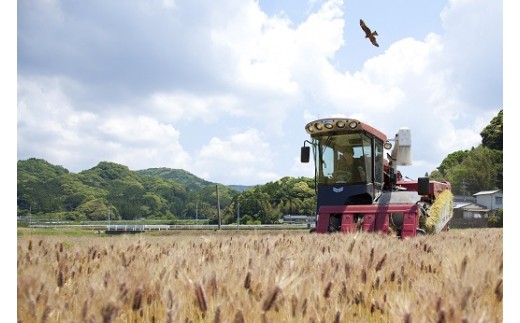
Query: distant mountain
[[177, 175], [240, 188], [185, 178], [36, 167]]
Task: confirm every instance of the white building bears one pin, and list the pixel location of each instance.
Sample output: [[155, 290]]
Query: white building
[[490, 199]]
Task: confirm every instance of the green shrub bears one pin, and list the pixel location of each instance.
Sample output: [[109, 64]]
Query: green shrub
[[23, 224], [496, 220]]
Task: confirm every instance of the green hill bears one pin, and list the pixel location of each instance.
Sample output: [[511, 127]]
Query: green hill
[[178, 175], [111, 190]]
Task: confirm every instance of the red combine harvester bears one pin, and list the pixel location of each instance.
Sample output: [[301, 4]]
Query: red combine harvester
[[358, 186]]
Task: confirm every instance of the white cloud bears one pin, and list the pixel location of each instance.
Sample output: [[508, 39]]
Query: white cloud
[[49, 127], [189, 106], [245, 157], [152, 144], [473, 47], [46, 115], [260, 52]]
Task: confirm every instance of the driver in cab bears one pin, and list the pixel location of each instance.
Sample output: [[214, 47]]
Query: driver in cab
[[348, 168]]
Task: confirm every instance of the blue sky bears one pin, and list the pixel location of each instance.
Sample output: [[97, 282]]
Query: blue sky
[[224, 89]]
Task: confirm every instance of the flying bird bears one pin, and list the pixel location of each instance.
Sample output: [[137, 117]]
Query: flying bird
[[368, 33]]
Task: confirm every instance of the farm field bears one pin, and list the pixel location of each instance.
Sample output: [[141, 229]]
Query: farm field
[[267, 276]]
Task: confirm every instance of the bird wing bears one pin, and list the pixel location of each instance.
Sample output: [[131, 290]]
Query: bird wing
[[373, 40], [365, 28]]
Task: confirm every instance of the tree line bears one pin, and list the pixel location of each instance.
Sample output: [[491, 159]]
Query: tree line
[[112, 191]]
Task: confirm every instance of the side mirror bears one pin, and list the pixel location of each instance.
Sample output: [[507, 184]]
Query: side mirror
[[305, 154]]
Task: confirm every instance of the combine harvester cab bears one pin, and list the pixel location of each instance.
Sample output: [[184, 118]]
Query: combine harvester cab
[[358, 187]]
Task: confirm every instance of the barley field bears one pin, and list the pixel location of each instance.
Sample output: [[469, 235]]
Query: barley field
[[253, 276]]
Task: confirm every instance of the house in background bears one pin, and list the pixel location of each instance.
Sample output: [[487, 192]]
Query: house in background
[[490, 199], [466, 207], [479, 206]]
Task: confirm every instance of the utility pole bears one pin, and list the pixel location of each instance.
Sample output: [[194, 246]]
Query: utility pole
[[30, 219], [238, 214], [463, 184], [218, 208]]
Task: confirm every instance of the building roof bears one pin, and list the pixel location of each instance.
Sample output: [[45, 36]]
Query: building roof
[[464, 198], [461, 205], [472, 207], [487, 192]]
